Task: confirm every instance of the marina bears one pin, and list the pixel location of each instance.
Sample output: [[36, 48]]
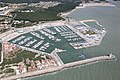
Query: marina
[[47, 39], [50, 38], [38, 39]]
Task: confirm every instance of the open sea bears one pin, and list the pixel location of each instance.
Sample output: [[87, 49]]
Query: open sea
[[109, 17]]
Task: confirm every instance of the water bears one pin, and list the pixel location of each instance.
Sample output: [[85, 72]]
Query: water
[[94, 25], [109, 17]]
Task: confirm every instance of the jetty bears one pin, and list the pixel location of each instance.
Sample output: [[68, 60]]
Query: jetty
[[58, 68]]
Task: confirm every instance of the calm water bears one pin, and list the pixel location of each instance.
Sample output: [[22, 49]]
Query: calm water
[[109, 17]]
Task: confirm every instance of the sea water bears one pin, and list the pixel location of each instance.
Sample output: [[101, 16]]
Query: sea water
[[109, 17]]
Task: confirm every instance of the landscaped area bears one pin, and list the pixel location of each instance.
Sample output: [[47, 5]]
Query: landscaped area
[[19, 57]]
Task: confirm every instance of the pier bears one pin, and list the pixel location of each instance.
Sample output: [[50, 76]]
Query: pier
[[49, 70], [91, 60]]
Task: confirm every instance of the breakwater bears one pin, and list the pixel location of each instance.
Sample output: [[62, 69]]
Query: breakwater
[[54, 69]]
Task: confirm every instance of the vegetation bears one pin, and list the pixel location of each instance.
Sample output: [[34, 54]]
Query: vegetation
[[8, 70], [49, 14], [20, 56]]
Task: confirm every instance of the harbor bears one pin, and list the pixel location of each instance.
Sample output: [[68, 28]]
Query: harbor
[[77, 34], [48, 40]]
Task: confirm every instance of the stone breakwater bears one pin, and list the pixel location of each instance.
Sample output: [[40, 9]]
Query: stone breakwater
[[82, 62]]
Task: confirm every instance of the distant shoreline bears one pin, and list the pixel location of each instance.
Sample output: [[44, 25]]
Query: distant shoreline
[[85, 6]]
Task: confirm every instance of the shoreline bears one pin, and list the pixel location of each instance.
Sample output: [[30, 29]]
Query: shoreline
[[85, 5], [95, 5], [59, 68], [50, 73]]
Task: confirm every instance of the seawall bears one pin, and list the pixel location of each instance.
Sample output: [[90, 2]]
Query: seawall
[[40, 72]]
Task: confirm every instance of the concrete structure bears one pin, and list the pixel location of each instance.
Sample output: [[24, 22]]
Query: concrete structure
[[49, 70]]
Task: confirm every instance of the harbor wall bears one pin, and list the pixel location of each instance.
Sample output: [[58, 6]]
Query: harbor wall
[[54, 69]]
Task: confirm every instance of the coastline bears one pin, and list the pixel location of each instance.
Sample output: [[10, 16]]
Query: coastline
[[95, 5], [50, 70], [85, 5]]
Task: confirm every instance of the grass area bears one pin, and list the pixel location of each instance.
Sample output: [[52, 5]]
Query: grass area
[[20, 56], [37, 16], [49, 14]]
